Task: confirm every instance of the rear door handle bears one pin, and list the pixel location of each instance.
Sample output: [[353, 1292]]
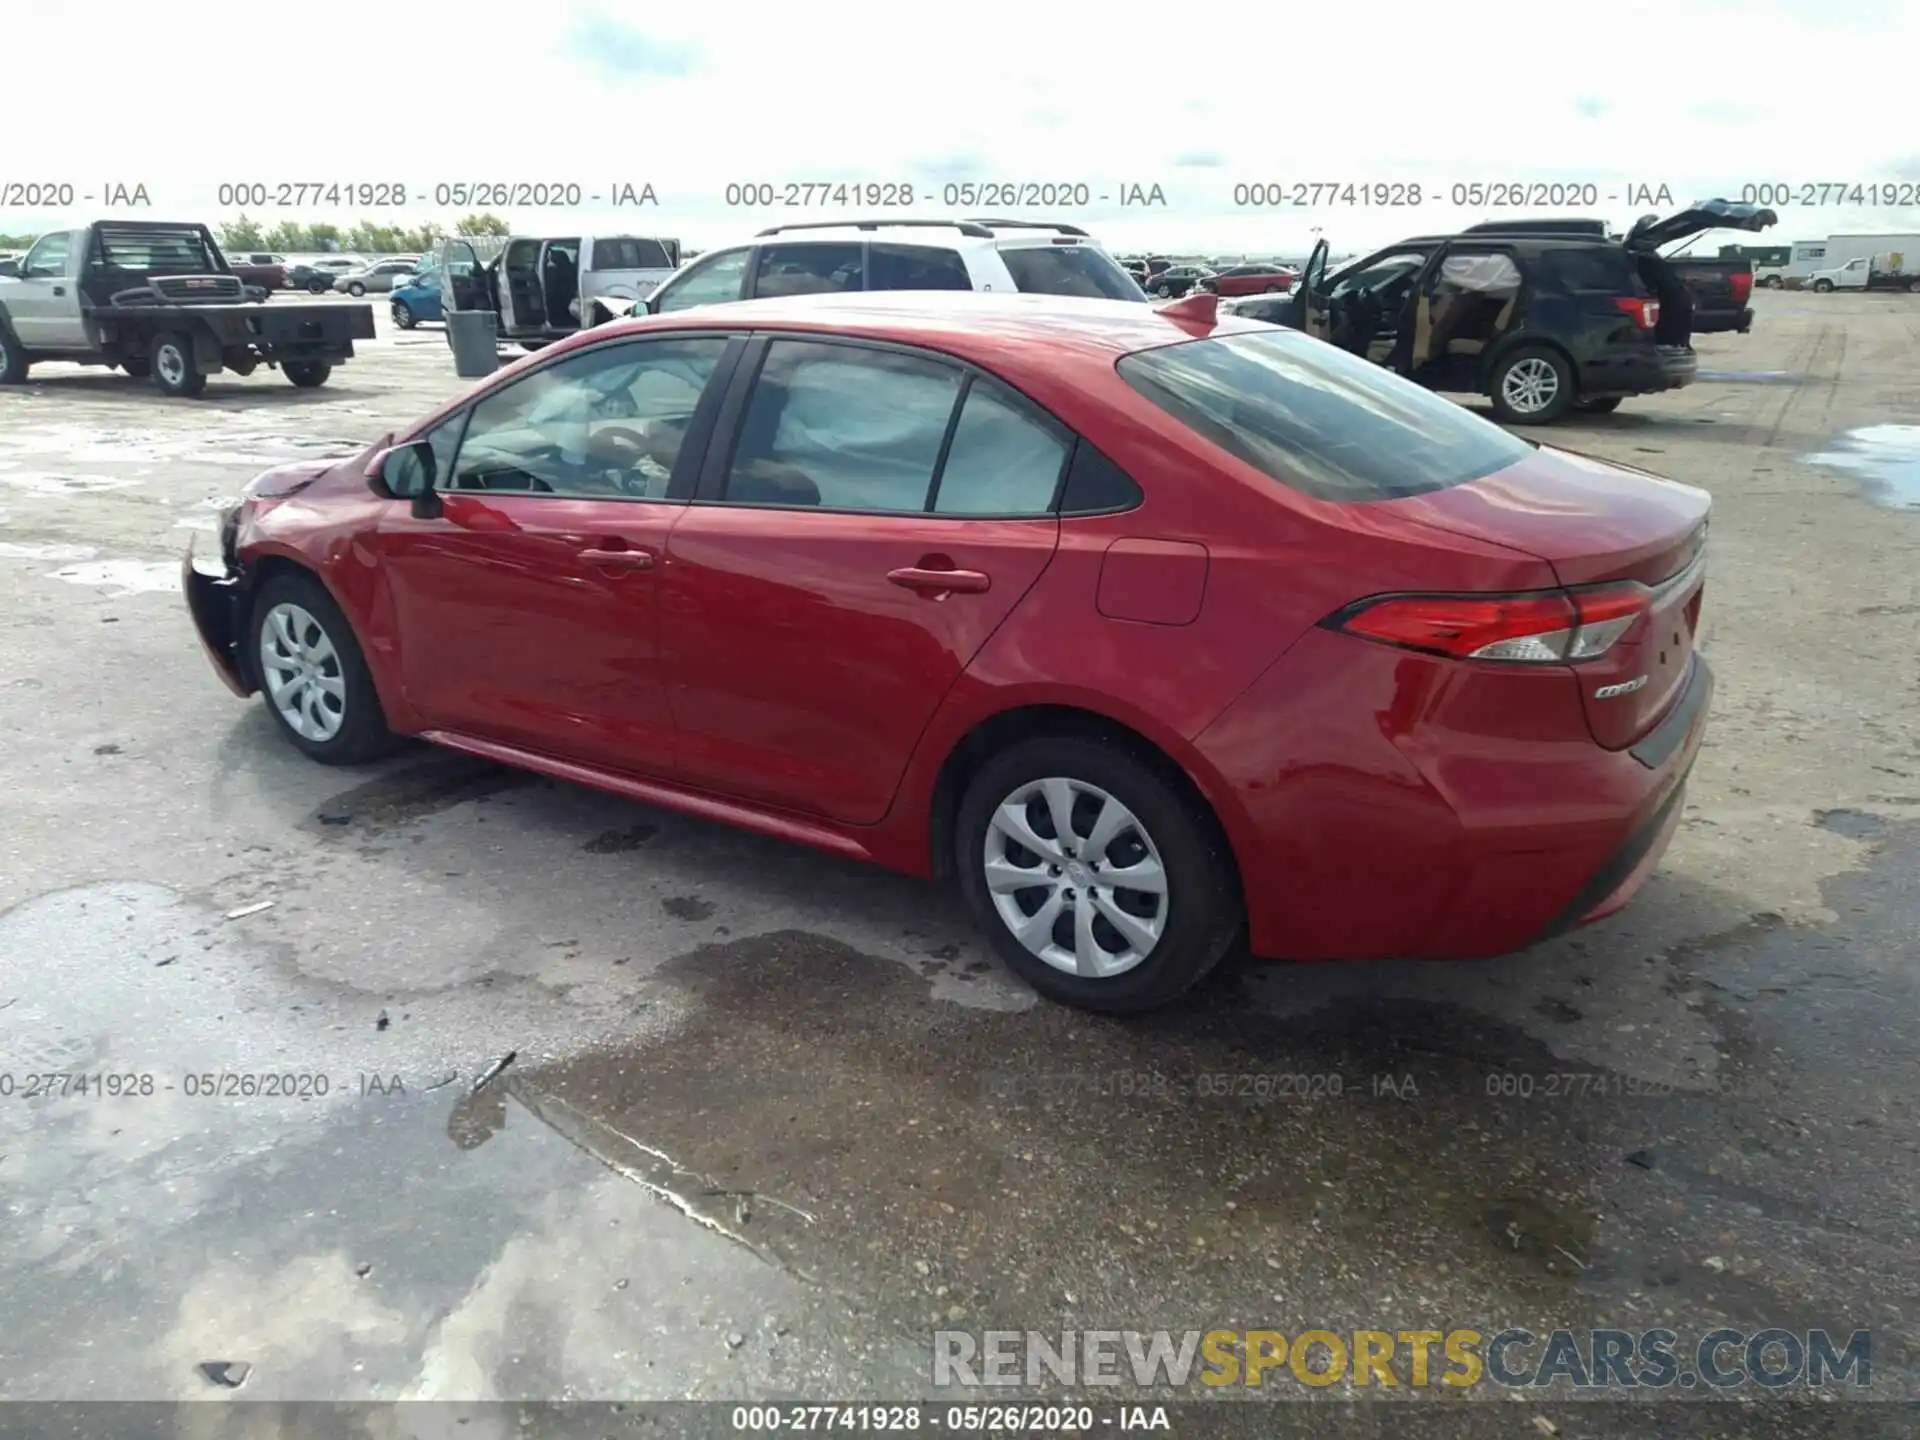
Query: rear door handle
[[940, 582], [619, 559], [59, 289]]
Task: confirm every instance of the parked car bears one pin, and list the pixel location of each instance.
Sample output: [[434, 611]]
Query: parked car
[[985, 586], [261, 268], [160, 301], [545, 287], [317, 276], [1176, 280], [1025, 256], [416, 299], [377, 278], [1250, 280], [1539, 321], [1889, 270]]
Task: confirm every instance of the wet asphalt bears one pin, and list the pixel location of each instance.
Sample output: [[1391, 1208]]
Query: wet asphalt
[[770, 1120]]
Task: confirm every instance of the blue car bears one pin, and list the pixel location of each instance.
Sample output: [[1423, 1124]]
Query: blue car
[[417, 300]]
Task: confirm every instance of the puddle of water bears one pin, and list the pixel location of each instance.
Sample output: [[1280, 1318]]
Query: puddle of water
[[130, 577], [1887, 455], [40, 483], [10, 551], [1750, 377]]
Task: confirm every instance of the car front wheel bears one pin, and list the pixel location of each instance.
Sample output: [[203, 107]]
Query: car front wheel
[[1099, 881], [402, 316], [313, 675], [13, 361], [356, 289], [1823, 287], [1532, 386]]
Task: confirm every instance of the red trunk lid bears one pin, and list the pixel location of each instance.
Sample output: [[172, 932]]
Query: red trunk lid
[[1595, 521]]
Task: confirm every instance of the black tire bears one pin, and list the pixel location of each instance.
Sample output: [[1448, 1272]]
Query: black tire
[[1204, 911], [1822, 287], [1602, 405], [307, 374], [1274, 290], [13, 361], [1531, 356], [363, 734], [1163, 291], [318, 287], [356, 289], [175, 371], [403, 317], [138, 366]]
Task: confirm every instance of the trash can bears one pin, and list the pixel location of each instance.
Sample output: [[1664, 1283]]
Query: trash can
[[474, 335]]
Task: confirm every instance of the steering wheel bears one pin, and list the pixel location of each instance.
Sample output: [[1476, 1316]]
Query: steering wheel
[[623, 448]]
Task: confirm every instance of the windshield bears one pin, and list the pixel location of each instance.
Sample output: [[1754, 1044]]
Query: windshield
[[1070, 270], [1313, 417]]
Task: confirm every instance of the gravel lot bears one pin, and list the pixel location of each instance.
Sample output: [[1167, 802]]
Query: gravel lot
[[700, 1016]]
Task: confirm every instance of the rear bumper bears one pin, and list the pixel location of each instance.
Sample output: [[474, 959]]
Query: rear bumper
[[1383, 810], [1639, 370], [1715, 322], [217, 605]]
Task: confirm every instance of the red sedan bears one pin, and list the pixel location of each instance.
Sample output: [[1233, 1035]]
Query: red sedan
[[1152, 628], [1251, 280]]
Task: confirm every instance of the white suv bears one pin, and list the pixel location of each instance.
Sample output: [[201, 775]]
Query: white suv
[[822, 257]]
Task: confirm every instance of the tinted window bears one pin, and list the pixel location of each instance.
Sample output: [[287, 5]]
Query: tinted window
[[1003, 460], [808, 269], [1602, 269], [160, 248], [1313, 417], [842, 427], [606, 423], [715, 279], [1069, 270], [916, 267], [627, 252]]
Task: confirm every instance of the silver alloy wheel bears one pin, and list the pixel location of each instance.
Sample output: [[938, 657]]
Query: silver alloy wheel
[[1076, 878], [1530, 385], [302, 671], [170, 364]]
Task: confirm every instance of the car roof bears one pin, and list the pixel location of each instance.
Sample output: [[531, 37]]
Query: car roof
[[955, 234]]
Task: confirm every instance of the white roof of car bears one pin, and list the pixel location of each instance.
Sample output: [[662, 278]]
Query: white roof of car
[[954, 234]]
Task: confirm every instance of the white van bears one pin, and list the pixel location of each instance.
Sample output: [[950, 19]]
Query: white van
[[545, 287]]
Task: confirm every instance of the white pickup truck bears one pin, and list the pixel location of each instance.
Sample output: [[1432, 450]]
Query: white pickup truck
[[544, 288], [161, 301], [1889, 270]]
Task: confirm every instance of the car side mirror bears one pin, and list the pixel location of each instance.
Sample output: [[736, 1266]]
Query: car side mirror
[[10, 268], [407, 472]]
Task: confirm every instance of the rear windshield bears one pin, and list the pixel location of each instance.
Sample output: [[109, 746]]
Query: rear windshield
[[627, 253], [156, 250], [1070, 270], [1317, 419]]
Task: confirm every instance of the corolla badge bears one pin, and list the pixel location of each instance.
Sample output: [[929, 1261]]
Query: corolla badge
[[1625, 687]]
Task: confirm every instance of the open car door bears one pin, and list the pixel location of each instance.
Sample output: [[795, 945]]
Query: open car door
[[523, 303], [1463, 300], [1650, 232], [1313, 293]]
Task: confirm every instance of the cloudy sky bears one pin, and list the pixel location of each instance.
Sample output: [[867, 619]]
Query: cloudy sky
[[1200, 101]]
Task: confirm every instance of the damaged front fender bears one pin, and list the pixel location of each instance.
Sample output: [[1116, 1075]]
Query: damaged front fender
[[217, 603]]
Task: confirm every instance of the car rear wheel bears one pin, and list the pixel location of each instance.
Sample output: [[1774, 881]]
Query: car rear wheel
[[1163, 291], [1531, 386], [402, 316], [318, 287], [1600, 405], [307, 374], [315, 680], [175, 371], [1913, 287], [13, 361], [1100, 883]]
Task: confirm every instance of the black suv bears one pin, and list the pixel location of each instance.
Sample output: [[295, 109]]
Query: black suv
[[1540, 317]]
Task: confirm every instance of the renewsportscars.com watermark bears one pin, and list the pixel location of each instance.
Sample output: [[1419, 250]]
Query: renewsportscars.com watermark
[[1513, 1358]]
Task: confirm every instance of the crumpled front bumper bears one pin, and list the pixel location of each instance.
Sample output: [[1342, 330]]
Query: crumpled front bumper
[[217, 603]]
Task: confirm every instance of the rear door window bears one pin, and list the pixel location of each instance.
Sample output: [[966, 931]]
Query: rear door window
[[1069, 270], [1317, 419], [809, 269], [1003, 460], [916, 267]]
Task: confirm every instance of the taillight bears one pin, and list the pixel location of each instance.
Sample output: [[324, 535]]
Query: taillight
[[1645, 313], [1548, 628], [1742, 287]]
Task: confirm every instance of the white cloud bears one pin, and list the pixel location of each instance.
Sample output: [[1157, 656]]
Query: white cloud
[[1700, 97]]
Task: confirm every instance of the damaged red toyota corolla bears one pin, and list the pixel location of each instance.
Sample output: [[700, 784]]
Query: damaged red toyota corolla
[[1149, 628]]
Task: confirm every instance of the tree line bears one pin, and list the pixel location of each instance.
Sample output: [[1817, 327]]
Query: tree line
[[290, 237]]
